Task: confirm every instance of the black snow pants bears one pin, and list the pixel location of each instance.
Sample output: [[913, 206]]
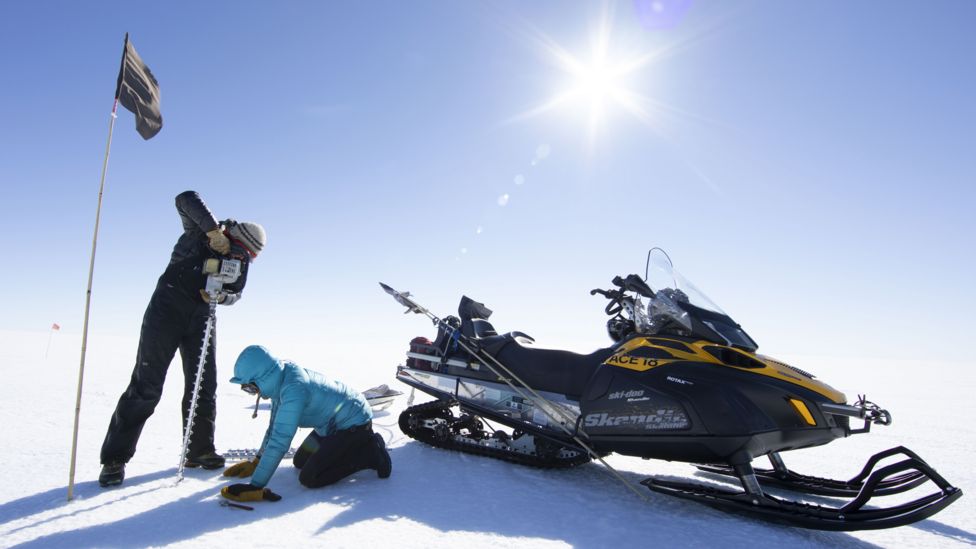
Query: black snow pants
[[329, 459], [172, 321]]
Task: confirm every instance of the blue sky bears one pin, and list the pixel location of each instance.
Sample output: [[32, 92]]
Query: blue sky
[[808, 165]]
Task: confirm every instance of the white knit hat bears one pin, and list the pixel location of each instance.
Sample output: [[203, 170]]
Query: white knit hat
[[250, 235]]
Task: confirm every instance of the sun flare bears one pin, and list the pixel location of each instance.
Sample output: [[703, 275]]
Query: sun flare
[[597, 83]]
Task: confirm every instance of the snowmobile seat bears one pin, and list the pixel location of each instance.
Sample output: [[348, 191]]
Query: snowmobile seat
[[550, 370], [482, 328]]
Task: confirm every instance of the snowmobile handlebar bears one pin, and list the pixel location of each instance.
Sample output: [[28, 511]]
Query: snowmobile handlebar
[[634, 283], [615, 297]]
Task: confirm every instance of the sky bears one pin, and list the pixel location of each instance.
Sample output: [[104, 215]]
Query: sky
[[808, 165]]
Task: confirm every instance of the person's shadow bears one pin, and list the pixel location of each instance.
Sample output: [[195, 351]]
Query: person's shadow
[[57, 497], [185, 518]]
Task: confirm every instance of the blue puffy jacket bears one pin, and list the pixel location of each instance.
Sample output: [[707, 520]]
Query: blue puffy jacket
[[299, 398]]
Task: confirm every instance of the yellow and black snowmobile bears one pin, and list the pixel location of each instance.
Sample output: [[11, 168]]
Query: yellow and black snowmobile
[[681, 382]]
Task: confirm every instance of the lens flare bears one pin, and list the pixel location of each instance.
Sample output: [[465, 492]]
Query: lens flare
[[597, 82]]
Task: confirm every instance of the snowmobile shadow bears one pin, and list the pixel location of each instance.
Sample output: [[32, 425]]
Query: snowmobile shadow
[[475, 494], [57, 498], [951, 532]]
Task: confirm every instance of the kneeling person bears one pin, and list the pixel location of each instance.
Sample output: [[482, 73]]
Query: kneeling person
[[341, 443]]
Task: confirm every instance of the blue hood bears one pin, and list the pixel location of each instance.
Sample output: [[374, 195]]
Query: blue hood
[[256, 365]]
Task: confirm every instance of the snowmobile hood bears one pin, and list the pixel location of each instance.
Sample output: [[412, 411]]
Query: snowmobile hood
[[256, 365]]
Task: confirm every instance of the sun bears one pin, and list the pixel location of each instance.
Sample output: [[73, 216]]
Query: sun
[[598, 82], [594, 85]]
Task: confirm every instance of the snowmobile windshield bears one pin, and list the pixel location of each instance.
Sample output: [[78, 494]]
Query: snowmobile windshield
[[661, 275], [678, 306]]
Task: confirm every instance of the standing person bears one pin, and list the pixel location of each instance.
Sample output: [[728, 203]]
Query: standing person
[[341, 443], [175, 319]]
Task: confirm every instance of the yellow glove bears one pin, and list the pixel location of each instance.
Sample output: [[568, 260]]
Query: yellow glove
[[218, 241], [248, 492], [206, 297], [242, 469]]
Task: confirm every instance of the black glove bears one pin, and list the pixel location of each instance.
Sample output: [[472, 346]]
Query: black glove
[[248, 492]]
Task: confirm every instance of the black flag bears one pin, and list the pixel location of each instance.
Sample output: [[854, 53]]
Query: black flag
[[138, 91]]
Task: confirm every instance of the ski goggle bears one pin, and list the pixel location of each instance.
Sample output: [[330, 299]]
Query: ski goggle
[[250, 388]]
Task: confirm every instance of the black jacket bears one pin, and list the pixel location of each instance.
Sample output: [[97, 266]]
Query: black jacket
[[185, 269]]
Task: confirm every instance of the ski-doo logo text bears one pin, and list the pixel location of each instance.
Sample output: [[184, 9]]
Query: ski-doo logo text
[[662, 418], [625, 394], [629, 361]]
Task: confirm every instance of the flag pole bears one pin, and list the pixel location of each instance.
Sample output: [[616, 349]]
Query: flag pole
[[91, 273], [50, 336]]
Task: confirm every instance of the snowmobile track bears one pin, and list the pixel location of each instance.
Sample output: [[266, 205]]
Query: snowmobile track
[[447, 435]]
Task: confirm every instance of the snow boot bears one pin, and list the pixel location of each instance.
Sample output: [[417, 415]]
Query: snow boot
[[112, 474], [210, 460], [383, 465]]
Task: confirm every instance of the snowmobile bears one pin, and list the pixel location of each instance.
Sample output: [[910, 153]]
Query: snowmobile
[[682, 381]]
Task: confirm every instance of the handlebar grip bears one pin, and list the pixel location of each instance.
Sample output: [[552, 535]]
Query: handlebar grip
[[634, 283]]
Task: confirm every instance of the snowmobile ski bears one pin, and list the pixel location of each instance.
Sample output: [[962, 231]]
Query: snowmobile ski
[[852, 516], [782, 477]]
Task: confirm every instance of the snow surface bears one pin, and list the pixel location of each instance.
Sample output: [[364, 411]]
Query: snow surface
[[434, 498]]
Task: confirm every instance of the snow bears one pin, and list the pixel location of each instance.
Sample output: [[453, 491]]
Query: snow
[[434, 498]]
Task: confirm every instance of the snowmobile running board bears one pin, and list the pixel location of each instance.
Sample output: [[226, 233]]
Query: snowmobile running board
[[852, 516]]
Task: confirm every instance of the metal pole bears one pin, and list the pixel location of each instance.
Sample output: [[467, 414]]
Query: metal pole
[[50, 336], [84, 331]]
